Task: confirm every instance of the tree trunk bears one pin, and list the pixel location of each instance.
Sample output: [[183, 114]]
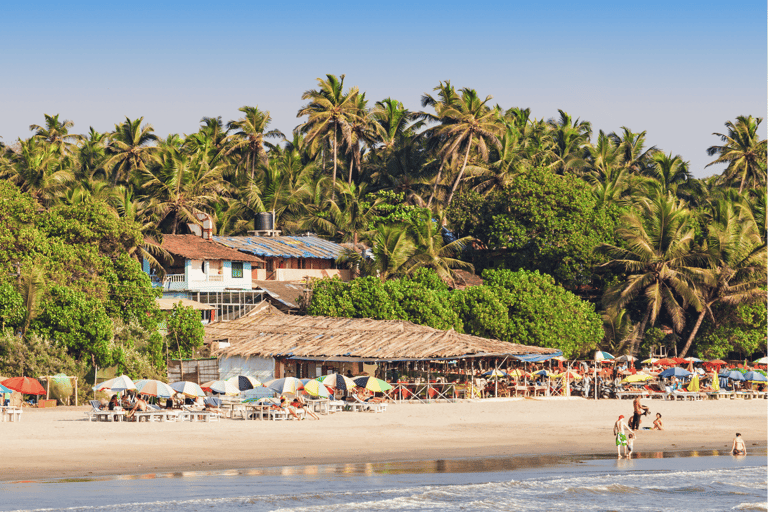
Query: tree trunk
[[694, 331], [461, 173], [333, 180], [640, 332], [437, 181]]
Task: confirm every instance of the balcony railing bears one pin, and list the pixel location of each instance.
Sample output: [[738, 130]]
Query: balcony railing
[[174, 278]]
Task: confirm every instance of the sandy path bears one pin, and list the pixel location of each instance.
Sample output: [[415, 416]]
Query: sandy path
[[58, 443]]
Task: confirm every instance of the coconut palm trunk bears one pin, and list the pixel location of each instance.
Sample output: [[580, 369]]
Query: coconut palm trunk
[[695, 330], [461, 172], [333, 180], [437, 182]]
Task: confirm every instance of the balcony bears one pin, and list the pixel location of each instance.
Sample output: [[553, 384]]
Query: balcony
[[179, 282]]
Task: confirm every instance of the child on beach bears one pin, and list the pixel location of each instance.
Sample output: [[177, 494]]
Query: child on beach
[[630, 444]]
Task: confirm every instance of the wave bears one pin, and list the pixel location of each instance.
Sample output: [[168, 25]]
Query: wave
[[752, 506]]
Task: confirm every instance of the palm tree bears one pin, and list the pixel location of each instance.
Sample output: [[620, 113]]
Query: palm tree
[[179, 187], [130, 149], [331, 112], [392, 247], [39, 169], [250, 135], [365, 133], [56, 133], [744, 152], [568, 139], [632, 148], [658, 261], [671, 174], [445, 97], [395, 122], [737, 260], [469, 120], [433, 252]]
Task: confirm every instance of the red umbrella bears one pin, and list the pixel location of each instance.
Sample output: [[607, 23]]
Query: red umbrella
[[666, 362], [25, 385], [716, 362], [679, 360]]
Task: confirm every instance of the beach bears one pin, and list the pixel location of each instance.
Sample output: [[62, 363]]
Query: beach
[[59, 443]]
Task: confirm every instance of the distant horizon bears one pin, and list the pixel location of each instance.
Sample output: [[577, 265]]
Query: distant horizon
[[670, 70]]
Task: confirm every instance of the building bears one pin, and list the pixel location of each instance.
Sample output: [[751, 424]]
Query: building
[[268, 344], [208, 272]]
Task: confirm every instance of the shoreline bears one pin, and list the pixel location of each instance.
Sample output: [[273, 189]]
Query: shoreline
[[57, 443]]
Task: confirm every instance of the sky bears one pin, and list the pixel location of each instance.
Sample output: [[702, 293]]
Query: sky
[[677, 70]]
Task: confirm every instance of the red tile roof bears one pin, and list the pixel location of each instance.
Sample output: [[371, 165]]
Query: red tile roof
[[194, 247]]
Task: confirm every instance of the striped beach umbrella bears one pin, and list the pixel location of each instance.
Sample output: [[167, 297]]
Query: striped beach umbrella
[[315, 388], [517, 373], [221, 387], [120, 383], [337, 381], [372, 384], [243, 382], [692, 359], [188, 389], [156, 388], [603, 356], [495, 373], [762, 360], [651, 360], [285, 385]]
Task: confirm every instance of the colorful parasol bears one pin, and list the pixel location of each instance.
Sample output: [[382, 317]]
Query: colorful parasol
[[651, 360], [337, 381], [221, 387], [285, 385], [603, 356], [244, 382], [156, 388], [495, 373], [638, 377], [315, 388], [762, 360], [188, 389], [24, 385], [120, 383], [666, 362], [694, 384], [372, 384]]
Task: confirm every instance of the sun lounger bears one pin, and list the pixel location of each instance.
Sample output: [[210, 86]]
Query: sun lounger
[[188, 414], [107, 415], [10, 413], [360, 405]]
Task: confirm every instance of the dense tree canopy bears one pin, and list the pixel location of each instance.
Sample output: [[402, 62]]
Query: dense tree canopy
[[462, 182]]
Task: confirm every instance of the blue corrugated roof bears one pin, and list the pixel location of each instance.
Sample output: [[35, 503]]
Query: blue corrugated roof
[[283, 246]]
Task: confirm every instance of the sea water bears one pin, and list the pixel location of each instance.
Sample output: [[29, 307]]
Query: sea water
[[659, 481]]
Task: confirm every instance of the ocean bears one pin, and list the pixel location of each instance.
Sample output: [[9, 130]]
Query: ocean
[[680, 481]]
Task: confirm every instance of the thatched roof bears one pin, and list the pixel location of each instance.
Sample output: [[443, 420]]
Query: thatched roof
[[270, 334]]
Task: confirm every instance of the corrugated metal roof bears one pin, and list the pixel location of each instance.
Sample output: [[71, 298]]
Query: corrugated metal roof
[[283, 246]]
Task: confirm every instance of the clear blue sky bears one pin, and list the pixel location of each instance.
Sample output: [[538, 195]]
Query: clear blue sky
[[678, 69]]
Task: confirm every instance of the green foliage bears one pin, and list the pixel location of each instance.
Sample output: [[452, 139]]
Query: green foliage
[[539, 221], [77, 322], [393, 209], [131, 296], [742, 331], [35, 356], [11, 307], [185, 331]]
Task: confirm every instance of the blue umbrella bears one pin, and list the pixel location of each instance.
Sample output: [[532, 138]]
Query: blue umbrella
[[733, 375], [755, 377], [674, 372], [4, 389]]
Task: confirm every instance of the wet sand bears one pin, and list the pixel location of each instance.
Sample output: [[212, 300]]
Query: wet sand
[[59, 443]]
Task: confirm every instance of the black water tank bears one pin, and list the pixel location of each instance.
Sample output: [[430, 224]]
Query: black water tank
[[264, 222]]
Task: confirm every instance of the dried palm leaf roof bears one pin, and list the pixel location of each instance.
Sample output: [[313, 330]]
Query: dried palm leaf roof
[[270, 334]]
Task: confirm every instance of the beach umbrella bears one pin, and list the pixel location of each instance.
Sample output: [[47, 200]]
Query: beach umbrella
[[243, 382], [717, 362], [372, 384], [495, 373], [151, 387], [337, 381], [603, 356], [120, 383], [666, 362], [674, 372], [559, 358], [4, 390], [188, 389], [516, 373], [24, 385], [762, 360], [571, 375], [315, 388], [692, 359], [626, 359], [755, 377], [638, 377], [222, 387], [285, 385], [733, 375], [651, 360]]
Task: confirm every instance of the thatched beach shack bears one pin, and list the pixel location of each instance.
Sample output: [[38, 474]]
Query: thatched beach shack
[[269, 344]]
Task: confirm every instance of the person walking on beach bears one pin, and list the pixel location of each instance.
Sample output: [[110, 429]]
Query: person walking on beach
[[738, 447], [620, 430]]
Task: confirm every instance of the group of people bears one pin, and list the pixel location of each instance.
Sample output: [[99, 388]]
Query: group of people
[[626, 433]]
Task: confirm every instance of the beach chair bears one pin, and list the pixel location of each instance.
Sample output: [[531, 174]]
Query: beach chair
[[11, 413], [368, 406], [95, 407]]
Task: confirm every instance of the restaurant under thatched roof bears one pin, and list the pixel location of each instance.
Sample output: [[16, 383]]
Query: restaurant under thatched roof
[[267, 333]]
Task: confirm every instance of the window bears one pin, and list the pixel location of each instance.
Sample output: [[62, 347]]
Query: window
[[237, 269]]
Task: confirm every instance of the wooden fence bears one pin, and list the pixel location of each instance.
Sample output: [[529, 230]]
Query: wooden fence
[[193, 370]]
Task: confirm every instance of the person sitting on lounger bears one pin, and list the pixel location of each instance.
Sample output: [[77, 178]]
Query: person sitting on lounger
[[113, 402], [657, 423], [287, 407], [141, 405], [298, 403]]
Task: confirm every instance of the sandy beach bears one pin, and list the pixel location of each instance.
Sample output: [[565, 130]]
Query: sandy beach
[[58, 442]]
